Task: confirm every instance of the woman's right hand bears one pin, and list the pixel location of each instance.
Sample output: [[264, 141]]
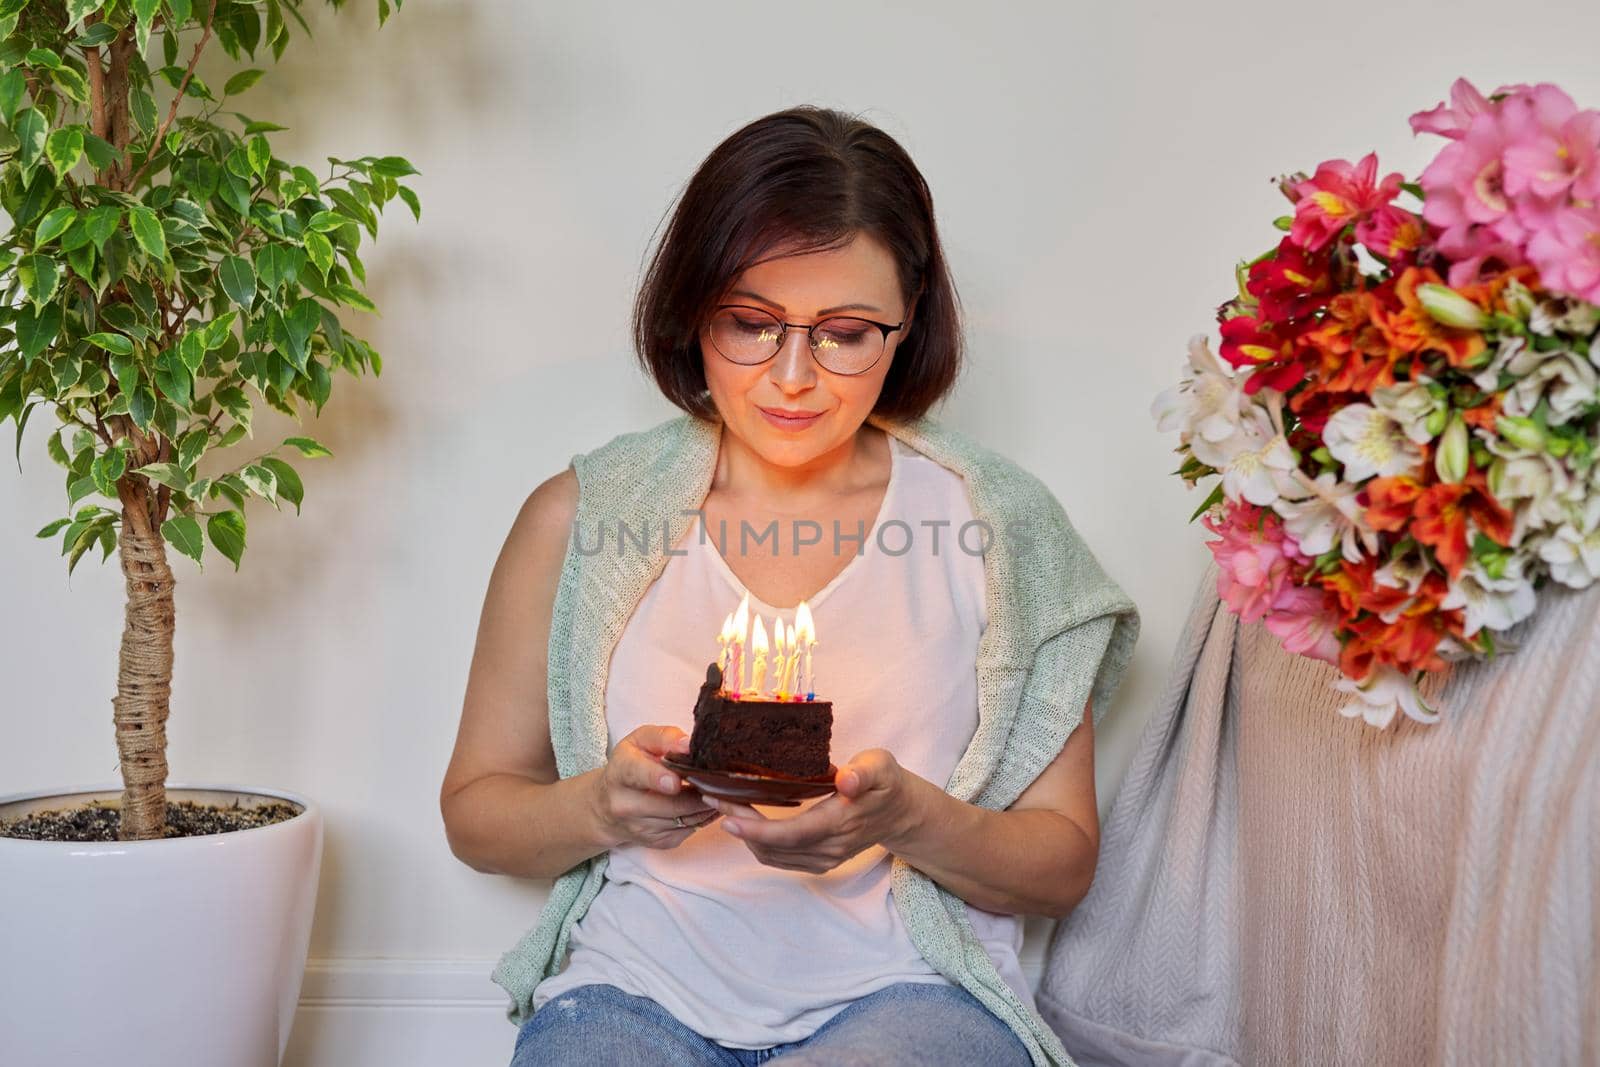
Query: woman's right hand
[[639, 795]]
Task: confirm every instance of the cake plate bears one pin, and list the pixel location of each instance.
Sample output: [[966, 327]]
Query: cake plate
[[749, 788]]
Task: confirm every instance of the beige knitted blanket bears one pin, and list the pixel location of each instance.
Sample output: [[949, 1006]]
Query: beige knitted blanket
[[1282, 885]]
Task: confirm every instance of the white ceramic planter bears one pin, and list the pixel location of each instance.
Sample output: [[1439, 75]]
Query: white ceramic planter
[[152, 953]]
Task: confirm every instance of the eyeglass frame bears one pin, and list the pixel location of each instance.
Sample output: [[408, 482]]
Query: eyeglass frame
[[811, 338]]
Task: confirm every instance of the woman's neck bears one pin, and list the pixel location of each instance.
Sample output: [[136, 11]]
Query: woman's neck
[[860, 462]]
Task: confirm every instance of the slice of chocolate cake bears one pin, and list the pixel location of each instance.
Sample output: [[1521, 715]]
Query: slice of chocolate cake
[[784, 737]]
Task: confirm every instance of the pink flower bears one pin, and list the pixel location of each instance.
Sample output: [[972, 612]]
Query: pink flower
[[1255, 559], [1300, 619], [1338, 194], [1451, 120], [1551, 145], [1567, 253]]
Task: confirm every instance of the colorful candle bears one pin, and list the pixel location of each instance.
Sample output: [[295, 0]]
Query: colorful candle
[[741, 623], [722, 642], [806, 633], [780, 665], [758, 673]]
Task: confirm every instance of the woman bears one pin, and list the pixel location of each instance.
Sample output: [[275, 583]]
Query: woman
[[800, 312]]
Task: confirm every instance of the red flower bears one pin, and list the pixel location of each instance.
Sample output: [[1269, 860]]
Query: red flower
[[1291, 283], [1338, 194], [1267, 348]]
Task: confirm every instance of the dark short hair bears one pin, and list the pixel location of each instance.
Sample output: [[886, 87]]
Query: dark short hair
[[804, 179]]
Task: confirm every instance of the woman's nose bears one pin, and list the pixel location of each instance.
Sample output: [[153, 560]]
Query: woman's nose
[[792, 364]]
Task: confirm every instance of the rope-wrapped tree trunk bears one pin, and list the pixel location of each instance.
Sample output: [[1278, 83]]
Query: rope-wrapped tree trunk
[[144, 669]]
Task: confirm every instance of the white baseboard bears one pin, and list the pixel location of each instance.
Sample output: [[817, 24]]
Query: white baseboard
[[420, 1013]]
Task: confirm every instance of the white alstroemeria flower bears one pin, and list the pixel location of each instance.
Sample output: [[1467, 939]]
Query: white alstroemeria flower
[[1328, 515], [1535, 485], [1411, 405], [1565, 380], [1406, 573], [1257, 464], [1510, 347], [1557, 314], [1573, 549], [1369, 443], [1384, 692], [1206, 404], [1498, 603]]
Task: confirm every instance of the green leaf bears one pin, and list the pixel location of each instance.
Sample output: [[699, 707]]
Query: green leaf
[[71, 83], [51, 529], [191, 446], [180, 11], [101, 152], [238, 281], [226, 529], [80, 489], [142, 406], [101, 223], [260, 155], [289, 484], [31, 128], [78, 9], [55, 224], [323, 221], [168, 474], [43, 57], [261, 481], [353, 297], [147, 231], [64, 147], [36, 329], [411, 201], [98, 34], [241, 81], [143, 106], [1214, 498], [107, 468], [172, 378], [320, 249], [183, 533], [12, 85], [40, 276], [307, 446], [393, 167], [111, 342]]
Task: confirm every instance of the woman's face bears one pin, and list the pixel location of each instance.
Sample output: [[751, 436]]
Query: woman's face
[[804, 289]]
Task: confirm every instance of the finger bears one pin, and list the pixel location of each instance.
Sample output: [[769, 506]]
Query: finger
[[801, 832], [734, 808], [658, 740]]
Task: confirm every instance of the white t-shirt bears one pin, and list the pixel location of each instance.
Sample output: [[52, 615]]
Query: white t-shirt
[[752, 956]]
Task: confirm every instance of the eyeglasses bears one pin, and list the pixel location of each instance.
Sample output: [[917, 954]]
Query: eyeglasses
[[750, 335]]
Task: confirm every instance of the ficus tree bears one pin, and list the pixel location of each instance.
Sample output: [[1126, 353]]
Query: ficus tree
[[164, 272]]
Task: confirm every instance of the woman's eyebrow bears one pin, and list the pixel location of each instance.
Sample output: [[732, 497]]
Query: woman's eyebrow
[[824, 311]]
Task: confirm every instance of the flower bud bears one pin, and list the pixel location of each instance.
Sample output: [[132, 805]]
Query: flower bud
[[1497, 478], [1451, 308], [1451, 460], [1436, 421], [1521, 432]]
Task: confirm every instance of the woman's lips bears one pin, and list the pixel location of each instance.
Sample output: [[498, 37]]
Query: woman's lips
[[784, 422]]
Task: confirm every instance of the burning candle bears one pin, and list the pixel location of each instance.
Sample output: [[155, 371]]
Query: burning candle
[[790, 681], [758, 643], [806, 632], [780, 666], [722, 642], [741, 622]]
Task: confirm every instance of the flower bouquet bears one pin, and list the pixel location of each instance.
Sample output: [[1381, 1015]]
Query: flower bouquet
[[1405, 413]]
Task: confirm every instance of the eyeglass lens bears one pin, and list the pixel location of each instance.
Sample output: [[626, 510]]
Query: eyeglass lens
[[842, 345]]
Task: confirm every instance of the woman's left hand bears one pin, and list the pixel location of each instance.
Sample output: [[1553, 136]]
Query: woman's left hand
[[869, 807]]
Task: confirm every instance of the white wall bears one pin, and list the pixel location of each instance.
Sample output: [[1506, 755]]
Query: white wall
[[1097, 170]]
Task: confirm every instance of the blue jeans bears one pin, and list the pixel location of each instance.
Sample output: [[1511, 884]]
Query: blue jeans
[[925, 1024]]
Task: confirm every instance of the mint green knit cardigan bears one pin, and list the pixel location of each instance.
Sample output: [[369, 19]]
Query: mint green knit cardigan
[[1059, 632]]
